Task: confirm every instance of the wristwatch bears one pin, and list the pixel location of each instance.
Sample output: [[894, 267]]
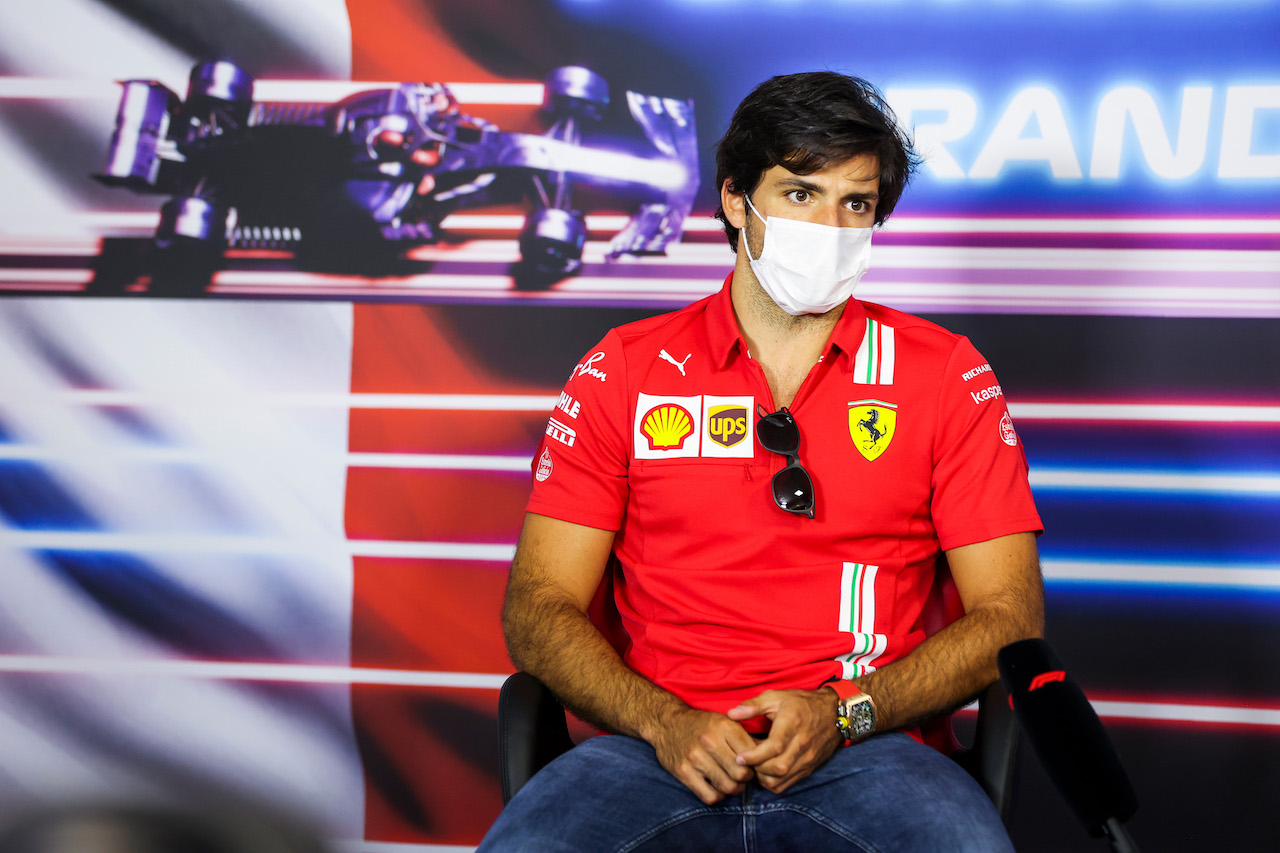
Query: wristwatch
[[855, 712]]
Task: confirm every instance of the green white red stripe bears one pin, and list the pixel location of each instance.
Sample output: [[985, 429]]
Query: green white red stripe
[[857, 617], [874, 362]]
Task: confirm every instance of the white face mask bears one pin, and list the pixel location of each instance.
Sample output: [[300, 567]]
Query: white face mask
[[808, 268]]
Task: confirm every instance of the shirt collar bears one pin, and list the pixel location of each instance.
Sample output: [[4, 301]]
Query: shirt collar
[[724, 336], [847, 336]]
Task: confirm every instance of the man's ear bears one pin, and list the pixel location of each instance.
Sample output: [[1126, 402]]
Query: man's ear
[[735, 209]]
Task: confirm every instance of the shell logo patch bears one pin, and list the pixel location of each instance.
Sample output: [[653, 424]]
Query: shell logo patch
[[872, 424], [667, 426]]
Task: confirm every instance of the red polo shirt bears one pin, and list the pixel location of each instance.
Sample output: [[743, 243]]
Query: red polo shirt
[[905, 433]]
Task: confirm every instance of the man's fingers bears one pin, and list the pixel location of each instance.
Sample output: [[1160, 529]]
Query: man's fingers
[[795, 746], [719, 755], [760, 751], [789, 766], [701, 752], [770, 783], [797, 754], [739, 742], [782, 760], [728, 778], [778, 784], [698, 784], [714, 756], [714, 775], [764, 705], [780, 766], [779, 741]]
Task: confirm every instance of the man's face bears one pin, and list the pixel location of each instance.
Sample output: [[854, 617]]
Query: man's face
[[843, 194]]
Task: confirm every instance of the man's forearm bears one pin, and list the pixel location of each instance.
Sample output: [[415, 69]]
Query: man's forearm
[[553, 640], [949, 668], [557, 569]]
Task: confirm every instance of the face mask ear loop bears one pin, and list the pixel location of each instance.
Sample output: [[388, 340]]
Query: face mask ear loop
[[745, 243]]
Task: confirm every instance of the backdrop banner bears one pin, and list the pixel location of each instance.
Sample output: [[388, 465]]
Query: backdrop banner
[[289, 288]]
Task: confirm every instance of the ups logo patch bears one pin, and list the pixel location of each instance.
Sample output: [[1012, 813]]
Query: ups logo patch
[[727, 425]]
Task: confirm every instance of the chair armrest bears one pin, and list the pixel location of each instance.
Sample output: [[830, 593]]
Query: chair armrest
[[993, 757], [531, 731]]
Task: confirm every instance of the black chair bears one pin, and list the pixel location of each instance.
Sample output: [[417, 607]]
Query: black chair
[[532, 731]]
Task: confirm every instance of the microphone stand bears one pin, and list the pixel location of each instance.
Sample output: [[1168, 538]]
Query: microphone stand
[[1118, 836]]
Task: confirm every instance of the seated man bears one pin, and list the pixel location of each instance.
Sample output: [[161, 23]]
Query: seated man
[[771, 587]]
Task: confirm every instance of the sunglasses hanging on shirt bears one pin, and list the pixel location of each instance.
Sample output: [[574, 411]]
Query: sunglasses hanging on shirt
[[792, 486]]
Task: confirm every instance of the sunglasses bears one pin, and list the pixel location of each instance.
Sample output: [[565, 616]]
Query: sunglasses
[[792, 486]]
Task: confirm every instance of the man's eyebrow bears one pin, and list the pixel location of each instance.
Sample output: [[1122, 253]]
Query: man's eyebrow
[[810, 186], [800, 184]]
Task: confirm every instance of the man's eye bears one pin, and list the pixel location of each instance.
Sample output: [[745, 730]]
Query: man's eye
[[799, 196], [857, 206]]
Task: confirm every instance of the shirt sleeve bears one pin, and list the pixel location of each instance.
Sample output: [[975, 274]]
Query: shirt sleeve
[[580, 467], [980, 486]]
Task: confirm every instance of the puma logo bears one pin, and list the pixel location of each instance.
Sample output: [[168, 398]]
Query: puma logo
[[666, 356]]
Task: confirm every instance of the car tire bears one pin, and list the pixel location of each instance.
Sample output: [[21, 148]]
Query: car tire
[[572, 91], [551, 243], [189, 245], [219, 88]]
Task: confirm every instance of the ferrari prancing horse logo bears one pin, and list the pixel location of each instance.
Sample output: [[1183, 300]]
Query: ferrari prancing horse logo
[[872, 424]]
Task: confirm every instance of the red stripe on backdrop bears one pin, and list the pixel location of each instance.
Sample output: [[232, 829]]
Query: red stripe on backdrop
[[428, 615], [435, 431], [435, 505], [1195, 712], [430, 757], [411, 349], [405, 40], [410, 40]]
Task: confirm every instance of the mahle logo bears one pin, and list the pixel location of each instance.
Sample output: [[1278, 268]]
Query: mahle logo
[[727, 425], [667, 426]]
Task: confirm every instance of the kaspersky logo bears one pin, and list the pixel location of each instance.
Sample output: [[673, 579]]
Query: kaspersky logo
[[727, 425], [667, 426]]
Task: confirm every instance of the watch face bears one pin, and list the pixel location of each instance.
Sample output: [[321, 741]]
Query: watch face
[[862, 719], [861, 715]]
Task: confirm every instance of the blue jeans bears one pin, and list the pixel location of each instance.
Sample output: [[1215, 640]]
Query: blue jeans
[[887, 794]]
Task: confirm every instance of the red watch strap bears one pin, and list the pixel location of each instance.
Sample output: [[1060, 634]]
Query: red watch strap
[[844, 689]]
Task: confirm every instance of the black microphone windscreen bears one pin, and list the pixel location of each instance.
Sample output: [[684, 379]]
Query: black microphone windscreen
[[1066, 734]]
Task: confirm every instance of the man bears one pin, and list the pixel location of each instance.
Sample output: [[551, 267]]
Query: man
[[764, 585]]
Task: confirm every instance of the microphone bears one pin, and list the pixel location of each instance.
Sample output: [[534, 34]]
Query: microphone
[[1069, 739]]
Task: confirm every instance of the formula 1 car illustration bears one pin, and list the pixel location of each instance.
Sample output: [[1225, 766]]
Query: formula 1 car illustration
[[342, 185]]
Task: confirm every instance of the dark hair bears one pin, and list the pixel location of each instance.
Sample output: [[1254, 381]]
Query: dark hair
[[805, 122]]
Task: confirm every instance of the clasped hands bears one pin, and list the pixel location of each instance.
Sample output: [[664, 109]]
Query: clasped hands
[[714, 756]]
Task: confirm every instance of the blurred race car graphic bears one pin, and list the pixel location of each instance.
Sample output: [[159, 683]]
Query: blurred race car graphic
[[350, 186]]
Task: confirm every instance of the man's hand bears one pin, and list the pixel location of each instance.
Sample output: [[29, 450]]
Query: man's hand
[[803, 735], [701, 748]]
